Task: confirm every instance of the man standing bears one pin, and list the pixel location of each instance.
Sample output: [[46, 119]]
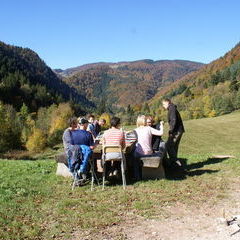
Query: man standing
[[176, 130]]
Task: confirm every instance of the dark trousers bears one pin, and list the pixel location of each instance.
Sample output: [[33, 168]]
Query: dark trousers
[[137, 166], [172, 146]]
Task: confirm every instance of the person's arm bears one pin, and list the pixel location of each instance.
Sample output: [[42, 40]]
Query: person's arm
[[69, 147], [91, 141], [172, 118], [103, 140], [157, 132], [67, 141]]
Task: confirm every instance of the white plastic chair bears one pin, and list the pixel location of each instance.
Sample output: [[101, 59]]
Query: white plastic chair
[[115, 149]]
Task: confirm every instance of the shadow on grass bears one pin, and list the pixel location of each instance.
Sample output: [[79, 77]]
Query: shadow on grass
[[181, 173], [206, 162], [175, 172]]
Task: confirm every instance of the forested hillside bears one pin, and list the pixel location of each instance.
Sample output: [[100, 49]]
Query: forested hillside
[[25, 78], [124, 83], [213, 90], [33, 108]]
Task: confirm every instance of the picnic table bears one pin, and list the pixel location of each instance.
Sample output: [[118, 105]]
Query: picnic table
[[152, 165], [62, 161]]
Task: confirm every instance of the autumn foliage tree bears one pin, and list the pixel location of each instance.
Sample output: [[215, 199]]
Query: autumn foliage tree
[[10, 130], [37, 141]]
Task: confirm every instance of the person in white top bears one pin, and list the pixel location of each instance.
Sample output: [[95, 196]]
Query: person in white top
[[144, 136], [144, 142]]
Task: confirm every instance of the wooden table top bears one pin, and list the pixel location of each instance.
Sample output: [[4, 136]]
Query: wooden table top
[[127, 149]]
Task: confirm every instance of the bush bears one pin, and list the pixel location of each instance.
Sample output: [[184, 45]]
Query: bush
[[185, 115], [223, 104], [107, 117], [60, 116], [55, 138], [37, 141], [10, 130]]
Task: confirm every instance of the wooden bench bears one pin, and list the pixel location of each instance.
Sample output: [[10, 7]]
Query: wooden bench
[[152, 167]]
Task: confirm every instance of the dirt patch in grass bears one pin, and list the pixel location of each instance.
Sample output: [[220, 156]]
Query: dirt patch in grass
[[183, 222], [223, 156]]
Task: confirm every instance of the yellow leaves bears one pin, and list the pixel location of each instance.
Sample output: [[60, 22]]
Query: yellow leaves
[[207, 105], [107, 117], [37, 141], [60, 117], [208, 110], [36, 137], [196, 112], [58, 123], [137, 107], [212, 114]]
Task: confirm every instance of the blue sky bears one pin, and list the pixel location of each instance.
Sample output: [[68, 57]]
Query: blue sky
[[75, 32]]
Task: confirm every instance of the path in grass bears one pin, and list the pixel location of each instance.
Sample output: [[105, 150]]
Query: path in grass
[[195, 216]]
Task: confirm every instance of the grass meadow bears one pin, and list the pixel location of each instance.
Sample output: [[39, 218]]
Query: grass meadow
[[37, 204]]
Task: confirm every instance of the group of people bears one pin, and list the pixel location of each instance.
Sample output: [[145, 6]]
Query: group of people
[[78, 140], [149, 138]]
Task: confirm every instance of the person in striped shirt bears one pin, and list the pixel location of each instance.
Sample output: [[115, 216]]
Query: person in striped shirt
[[114, 136]]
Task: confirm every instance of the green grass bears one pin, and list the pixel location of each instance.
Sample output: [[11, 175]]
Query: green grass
[[36, 204], [219, 135]]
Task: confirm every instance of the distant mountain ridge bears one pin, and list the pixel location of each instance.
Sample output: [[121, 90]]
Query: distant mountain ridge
[[70, 71], [126, 83]]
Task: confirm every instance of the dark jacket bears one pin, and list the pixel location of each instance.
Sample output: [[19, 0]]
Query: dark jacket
[[156, 139], [174, 120], [97, 128]]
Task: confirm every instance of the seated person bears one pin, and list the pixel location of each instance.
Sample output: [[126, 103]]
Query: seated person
[[144, 135], [158, 145], [98, 125], [78, 142], [114, 136], [91, 125], [130, 137]]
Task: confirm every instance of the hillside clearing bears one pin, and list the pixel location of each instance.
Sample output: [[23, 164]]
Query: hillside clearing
[[36, 204]]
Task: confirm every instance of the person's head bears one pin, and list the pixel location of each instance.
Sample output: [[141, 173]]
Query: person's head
[[141, 121], [90, 118], [149, 121], [115, 122], [102, 122], [73, 122], [83, 122], [166, 102]]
